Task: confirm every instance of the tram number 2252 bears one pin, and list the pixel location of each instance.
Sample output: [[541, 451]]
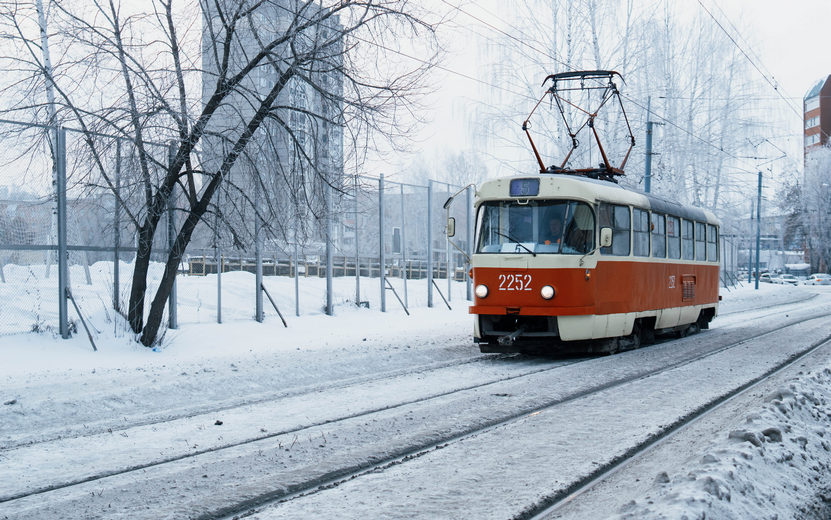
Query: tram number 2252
[[514, 282]]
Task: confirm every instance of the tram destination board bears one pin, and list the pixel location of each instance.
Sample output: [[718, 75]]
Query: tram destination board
[[525, 187]]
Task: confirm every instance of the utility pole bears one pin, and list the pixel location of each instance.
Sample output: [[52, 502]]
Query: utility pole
[[647, 179], [758, 226], [750, 248]]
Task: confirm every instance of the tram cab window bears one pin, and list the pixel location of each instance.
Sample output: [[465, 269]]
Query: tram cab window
[[640, 231], [673, 237], [687, 239], [659, 231], [535, 226], [617, 218], [712, 243], [699, 241]]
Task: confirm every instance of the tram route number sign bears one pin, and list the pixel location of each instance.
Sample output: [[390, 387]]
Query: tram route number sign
[[524, 187], [514, 282]]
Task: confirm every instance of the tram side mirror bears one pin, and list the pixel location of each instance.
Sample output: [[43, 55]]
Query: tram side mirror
[[451, 226], [605, 237]]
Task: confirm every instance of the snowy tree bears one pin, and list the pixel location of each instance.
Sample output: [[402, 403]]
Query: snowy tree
[[700, 84], [175, 79], [814, 215]]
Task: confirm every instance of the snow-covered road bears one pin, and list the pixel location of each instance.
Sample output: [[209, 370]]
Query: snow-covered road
[[392, 417]]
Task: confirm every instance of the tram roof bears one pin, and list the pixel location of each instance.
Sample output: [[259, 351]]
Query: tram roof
[[565, 186]]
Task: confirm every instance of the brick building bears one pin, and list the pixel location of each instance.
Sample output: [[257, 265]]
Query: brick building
[[817, 114]]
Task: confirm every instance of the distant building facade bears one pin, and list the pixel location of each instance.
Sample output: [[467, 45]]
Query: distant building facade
[[302, 142], [817, 115]]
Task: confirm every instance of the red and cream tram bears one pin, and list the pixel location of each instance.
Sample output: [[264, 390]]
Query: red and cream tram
[[564, 260]]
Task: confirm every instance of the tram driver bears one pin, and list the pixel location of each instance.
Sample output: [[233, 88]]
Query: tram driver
[[554, 234], [558, 241]]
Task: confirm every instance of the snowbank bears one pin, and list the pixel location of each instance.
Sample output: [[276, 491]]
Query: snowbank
[[777, 466]]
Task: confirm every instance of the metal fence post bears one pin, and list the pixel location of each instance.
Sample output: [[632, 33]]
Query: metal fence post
[[404, 247], [357, 249], [429, 243], [218, 253], [117, 227], [171, 239], [447, 258], [63, 269], [329, 297], [296, 269], [258, 253], [382, 261], [469, 236]]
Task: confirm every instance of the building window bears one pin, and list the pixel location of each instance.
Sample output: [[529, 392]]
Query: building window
[[810, 123], [811, 139], [811, 103]]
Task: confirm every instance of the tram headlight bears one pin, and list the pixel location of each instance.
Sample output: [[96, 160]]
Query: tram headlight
[[547, 292], [481, 290]]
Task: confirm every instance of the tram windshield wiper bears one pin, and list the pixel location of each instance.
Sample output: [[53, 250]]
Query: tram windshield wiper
[[517, 242]]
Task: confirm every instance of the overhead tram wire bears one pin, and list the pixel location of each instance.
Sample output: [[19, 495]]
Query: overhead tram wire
[[701, 139], [755, 66], [754, 54], [526, 96], [629, 98], [425, 62], [509, 35]]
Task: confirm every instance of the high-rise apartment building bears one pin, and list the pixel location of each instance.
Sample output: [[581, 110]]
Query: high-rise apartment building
[[817, 114], [298, 150]]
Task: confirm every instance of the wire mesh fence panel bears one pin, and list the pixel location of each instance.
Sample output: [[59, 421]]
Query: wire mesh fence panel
[[28, 286], [28, 227], [100, 193], [357, 232]]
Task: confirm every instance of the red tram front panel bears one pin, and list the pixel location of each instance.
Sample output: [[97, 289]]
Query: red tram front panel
[[612, 287]]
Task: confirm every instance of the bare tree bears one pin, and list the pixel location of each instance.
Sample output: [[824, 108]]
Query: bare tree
[[211, 97], [814, 213], [700, 86]]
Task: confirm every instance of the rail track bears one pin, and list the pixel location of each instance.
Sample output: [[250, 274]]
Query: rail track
[[322, 466]]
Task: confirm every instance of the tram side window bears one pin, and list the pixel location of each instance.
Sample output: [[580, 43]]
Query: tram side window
[[699, 241], [659, 231], [640, 227], [673, 237], [712, 243], [687, 239], [617, 218]]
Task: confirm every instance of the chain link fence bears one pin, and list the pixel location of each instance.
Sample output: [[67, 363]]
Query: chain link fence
[[371, 242]]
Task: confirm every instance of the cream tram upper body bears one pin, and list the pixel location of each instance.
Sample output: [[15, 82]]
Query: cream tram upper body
[[661, 265]]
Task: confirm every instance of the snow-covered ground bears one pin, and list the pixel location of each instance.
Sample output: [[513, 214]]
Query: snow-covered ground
[[60, 393]]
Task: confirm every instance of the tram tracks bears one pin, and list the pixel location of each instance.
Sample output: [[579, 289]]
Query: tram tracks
[[550, 506], [318, 485], [418, 444], [129, 421], [306, 426]]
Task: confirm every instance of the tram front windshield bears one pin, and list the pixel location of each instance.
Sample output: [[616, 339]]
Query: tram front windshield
[[535, 226]]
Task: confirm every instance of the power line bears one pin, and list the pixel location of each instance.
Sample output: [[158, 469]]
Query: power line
[[554, 58], [770, 82], [422, 60], [509, 35], [629, 98]]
